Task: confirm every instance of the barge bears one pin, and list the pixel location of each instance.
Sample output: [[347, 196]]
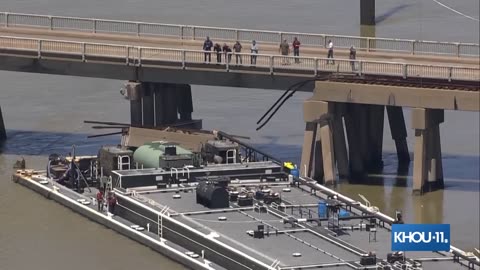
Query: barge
[[210, 201]]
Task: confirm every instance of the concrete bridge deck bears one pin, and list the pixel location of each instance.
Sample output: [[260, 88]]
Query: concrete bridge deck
[[156, 53]]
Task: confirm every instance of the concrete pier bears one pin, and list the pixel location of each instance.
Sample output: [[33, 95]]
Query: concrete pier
[[308, 149], [339, 143], [159, 104], [367, 12], [3, 133], [427, 165]]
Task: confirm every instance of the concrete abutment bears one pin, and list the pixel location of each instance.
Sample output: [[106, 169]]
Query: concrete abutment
[[161, 104]]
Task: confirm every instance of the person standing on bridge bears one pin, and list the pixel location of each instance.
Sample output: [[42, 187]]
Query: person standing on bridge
[[330, 52], [353, 56], [207, 47], [218, 49], [237, 48], [296, 49], [228, 53], [285, 50], [254, 52]]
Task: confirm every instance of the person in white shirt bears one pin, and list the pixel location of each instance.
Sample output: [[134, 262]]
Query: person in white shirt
[[330, 52], [253, 51]]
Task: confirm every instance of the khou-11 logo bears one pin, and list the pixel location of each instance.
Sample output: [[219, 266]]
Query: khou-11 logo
[[420, 237]]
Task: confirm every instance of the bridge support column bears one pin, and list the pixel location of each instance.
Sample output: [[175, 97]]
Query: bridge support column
[[328, 156], [376, 115], [354, 136], [159, 104], [339, 143], [3, 133], [148, 105], [399, 132], [427, 167], [367, 12], [134, 94]]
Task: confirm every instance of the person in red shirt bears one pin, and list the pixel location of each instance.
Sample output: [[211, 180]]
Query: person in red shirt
[[112, 202], [296, 49], [100, 200]]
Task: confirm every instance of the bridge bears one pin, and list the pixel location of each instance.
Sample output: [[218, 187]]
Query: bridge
[[161, 61]]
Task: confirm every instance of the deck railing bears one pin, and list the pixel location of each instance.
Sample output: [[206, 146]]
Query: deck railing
[[182, 59], [230, 34]]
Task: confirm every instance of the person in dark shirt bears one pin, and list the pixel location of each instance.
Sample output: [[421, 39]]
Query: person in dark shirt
[[112, 202], [228, 52], [237, 48], [218, 50], [296, 49], [284, 50], [207, 47]]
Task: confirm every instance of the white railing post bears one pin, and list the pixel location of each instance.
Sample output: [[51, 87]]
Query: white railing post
[[368, 44], [94, 26], [127, 60], [316, 67], [84, 51], [458, 49], [227, 64], [138, 29], [271, 64], [405, 71], [184, 59], [360, 68], [237, 34], [6, 18], [413, 46], [280, 34], [139, 57], [450, 72], [193, 32], [39, 49], [50, 18], [181, 31]]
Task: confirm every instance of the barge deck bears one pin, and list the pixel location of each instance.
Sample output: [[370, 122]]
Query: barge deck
[[266, 221]]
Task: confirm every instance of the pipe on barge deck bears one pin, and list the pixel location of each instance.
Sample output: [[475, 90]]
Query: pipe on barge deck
[[359, 206], [113, 224]]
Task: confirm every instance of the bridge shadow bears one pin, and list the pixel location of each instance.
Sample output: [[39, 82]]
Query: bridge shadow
[[390, 12]]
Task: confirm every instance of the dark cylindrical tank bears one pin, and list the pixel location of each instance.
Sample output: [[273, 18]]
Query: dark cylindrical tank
[[212, 196]]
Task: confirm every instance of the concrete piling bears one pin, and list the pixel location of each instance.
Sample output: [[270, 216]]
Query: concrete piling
[[399, 132], [367, 12], [159, 104], [340, 146], [328, 156], [308, 149], [376, 114]]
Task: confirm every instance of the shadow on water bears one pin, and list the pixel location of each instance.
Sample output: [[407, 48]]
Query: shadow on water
[[390, 12], [38, 143]]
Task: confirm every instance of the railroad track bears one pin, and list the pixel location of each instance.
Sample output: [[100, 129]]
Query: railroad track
[[473, 86]]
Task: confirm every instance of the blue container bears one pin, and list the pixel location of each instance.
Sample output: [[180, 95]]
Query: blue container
[[322, 209], [343, 213], [295, 172]]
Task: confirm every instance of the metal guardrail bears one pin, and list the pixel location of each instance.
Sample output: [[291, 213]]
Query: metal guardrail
[[270, 64], [200, 32]]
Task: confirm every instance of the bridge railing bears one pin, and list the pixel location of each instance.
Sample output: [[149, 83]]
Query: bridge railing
[[231, 34], [263, 63]]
